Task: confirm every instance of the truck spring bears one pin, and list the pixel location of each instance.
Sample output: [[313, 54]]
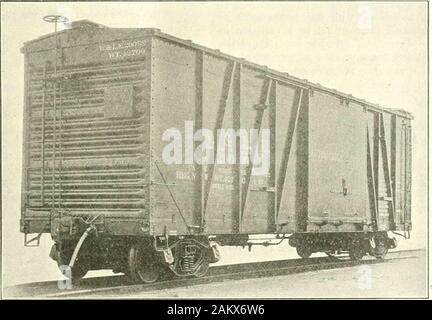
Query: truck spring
[[188, 263]]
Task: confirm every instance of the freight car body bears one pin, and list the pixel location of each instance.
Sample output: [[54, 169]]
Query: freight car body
[[98, 103]]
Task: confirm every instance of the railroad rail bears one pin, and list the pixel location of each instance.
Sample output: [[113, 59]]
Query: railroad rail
[[117, 285]]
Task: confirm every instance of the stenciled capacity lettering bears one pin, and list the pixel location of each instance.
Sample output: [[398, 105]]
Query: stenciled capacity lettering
[[124, 49]]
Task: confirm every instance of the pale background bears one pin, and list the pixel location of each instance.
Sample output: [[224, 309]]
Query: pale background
[[375, 51]]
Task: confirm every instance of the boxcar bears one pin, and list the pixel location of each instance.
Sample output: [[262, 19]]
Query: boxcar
[[101, 107]]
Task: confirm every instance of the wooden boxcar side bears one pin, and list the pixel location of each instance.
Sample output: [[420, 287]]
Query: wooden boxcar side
[[324, 175], [211, 92]]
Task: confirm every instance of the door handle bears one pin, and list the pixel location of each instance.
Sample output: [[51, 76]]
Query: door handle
[[344, 190]]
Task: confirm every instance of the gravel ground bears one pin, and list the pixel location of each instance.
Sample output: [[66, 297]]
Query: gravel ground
[[396, 279]]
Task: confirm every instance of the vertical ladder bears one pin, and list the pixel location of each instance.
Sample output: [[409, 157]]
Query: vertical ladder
[[43, 138], [55, 19]]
